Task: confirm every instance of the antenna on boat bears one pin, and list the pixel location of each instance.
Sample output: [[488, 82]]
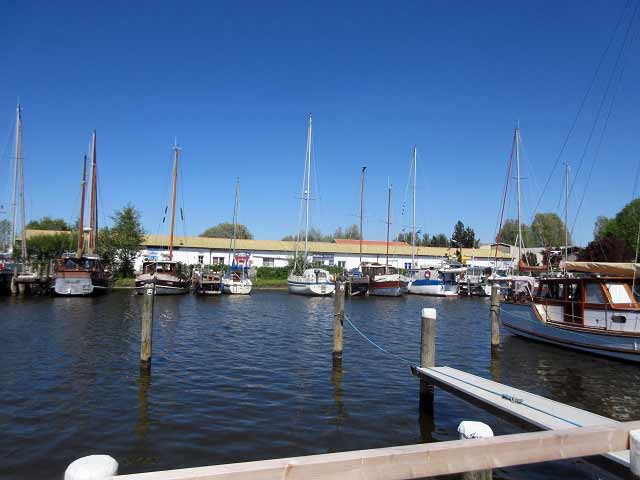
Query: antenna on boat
[[364, 168]]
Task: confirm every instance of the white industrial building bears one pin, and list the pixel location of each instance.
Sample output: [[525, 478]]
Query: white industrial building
[[341, 253]]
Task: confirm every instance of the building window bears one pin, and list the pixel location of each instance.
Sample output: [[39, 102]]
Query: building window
[[217, 261], [407, 265], [200, 259], [342, 263], [268, 262]]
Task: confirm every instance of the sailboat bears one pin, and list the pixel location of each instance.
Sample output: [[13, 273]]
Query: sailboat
[[385, 280], [303, 280], [358, 283], [167, 273], [84, 273], [236, 280]]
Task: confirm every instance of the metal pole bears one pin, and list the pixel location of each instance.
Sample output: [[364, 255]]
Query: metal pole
[[361, 210]]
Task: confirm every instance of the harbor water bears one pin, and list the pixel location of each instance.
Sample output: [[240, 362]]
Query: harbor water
[[241, 378]]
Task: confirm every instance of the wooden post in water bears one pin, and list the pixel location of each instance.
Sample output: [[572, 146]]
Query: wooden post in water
[[147, 325], [338, 320], [14, 281], [495, 318], [427, 353]]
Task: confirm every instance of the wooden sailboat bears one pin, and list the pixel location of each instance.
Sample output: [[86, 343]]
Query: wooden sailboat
[[83, 273], [358, 283], [166, 274], [303, 280], [236, 280], [385, 280]]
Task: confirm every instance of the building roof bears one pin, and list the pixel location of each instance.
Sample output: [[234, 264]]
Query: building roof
[[351, 241], [369, 247]]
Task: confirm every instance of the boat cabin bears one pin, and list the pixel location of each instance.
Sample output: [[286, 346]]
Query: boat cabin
[[162, 266], [69, 263], [373, 269], [593, 302]]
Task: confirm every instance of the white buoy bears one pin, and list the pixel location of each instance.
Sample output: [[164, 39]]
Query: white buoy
[[93, 467], [469, 430]]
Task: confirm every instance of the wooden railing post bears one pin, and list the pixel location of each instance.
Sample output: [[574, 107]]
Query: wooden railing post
[[338, 321], [634, 453], [469, 430], [495, 317], [427, 353], [147, 326]]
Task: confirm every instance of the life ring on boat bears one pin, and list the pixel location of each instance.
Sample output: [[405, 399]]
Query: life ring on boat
[[427, 274]]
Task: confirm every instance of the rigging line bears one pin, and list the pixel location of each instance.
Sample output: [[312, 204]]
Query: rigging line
[[581, 106], [604, 96], [498, 230], [406, 190], [604, 130], [382, 349]]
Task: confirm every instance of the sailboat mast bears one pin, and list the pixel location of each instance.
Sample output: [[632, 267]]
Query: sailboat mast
[[232, 243], [364, 168], [566, 212], [173, 200], [388, 223], [93, 215], [15, 176], [308, 190], [518, 190], [81, 219], [413, 235], [20, 166]]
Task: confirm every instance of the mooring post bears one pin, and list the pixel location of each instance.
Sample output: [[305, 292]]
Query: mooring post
[[634, 453], [427, 353], [147, 325], [338, 320], [93, 467], [14, 281], [469, 430], [495, 317]]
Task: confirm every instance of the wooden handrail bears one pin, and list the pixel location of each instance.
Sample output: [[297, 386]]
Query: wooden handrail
[[421, 460]]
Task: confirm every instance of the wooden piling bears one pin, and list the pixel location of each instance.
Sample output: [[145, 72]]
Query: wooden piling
[[470, 430], [147, 326], [427, 353], [14, 281], [338, 320], [495, 318]]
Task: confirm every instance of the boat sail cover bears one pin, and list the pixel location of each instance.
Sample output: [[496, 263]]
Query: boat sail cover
[[603, 268]]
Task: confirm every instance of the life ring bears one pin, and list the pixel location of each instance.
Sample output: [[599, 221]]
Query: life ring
[[427, 274]]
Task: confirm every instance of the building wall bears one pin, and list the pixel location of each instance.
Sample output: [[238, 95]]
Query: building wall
[[205, 256]]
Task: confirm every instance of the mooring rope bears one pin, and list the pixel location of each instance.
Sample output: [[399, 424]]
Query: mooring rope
[[382, 349]]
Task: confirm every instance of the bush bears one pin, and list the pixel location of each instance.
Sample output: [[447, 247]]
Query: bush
[[272, 273]]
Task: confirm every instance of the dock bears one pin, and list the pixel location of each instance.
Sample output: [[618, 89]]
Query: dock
[[527, 407]]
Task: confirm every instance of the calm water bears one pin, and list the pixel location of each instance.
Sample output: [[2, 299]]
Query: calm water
[[247, 378]]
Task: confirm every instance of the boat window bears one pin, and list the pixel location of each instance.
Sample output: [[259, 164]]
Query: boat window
[[594, 293], [574, 292], [618, 292]]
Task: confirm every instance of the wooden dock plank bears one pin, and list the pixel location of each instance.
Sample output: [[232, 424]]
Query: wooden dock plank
[[533, 409]]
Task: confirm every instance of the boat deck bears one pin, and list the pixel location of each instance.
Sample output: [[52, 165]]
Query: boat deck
[[528, 407]]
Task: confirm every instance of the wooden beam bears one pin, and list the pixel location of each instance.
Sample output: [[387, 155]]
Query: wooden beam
[[417, 461]]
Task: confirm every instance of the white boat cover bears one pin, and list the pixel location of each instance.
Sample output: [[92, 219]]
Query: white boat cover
[[603, 268]]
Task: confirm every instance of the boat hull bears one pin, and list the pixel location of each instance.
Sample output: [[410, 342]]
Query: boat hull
[[357, 286], [521, 319], [435, 288], [78, 284], [311, 289], [169, 285], [389, 288], [236, 288]]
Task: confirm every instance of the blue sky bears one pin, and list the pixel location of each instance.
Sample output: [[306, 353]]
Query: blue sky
[[235, 83]]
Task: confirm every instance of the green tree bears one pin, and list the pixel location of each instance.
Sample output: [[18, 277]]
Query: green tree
[[463, 236], [48, 223], [315, 235], [548, 230], [351, 232], [607, 248], [439, 240], [509, 233], [47, 247], [125, 239], [624, 225], [600, 226], [5, 234], [225, 230]]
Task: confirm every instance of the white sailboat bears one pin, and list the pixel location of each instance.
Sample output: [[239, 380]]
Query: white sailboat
[[236, 281], [302, 280]]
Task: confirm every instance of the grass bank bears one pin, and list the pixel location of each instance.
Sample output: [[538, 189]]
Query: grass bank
[[269, 283], [124, 283]]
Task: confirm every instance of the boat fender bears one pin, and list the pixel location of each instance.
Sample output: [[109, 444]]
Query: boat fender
[[93, 467], [468, 429]]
